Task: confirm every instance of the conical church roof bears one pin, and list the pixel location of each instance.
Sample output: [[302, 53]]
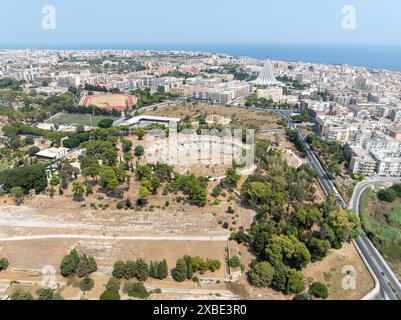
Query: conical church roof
[[266, 76]]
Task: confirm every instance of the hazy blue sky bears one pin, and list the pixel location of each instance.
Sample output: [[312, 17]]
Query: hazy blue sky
[[99, 22]]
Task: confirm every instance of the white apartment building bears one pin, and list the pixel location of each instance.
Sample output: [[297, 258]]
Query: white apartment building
[[387, 165], [362, 162]]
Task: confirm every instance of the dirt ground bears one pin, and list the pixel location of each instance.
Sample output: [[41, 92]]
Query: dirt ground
[[27, 258], [329, 272], [243, 118], [35, 254]]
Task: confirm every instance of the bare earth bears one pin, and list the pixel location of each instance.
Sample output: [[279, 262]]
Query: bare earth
[[329, 272]]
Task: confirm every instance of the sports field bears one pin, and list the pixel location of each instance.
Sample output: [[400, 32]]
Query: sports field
[[109, 101], [78, 119]]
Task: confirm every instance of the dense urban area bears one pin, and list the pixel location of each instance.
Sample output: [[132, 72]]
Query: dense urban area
[[91, 209]]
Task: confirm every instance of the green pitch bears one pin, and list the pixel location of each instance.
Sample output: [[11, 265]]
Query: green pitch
[[78, 119]]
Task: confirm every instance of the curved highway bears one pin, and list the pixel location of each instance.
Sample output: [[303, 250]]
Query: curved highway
[[387, 285]]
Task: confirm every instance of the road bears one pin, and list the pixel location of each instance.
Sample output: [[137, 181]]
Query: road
[[177, 101], [390, 288], [387, 284], [100, 237]]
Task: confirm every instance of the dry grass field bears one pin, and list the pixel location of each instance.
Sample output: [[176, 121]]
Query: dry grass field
[[329, 272], [241, 118]]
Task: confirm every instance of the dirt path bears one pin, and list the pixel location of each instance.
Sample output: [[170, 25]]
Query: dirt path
[[97, 237]]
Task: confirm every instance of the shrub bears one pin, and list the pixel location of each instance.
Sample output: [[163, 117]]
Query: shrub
[[303, 296], [3, 264], [110, 295], [86, 284], [136, 290], [387, 195], [113, 284], [319, 290], [261, 274], [180, 273], [48, 294], [32, 151], [394, 216], [397, 189], [105, 123], [235, 262], [119, 269], [20, 294]]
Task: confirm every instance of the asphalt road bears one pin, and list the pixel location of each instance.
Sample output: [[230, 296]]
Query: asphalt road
[[389, 286]]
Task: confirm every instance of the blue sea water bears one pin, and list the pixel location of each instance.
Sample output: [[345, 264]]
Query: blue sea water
[[365, 56], [377, 57]]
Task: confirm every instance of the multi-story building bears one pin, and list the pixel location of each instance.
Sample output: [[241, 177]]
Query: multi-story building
[[362, 162]]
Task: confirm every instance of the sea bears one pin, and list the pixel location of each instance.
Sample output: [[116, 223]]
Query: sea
[[375, 57]]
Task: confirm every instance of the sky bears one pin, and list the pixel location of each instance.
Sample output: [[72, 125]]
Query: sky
[[99, 23]]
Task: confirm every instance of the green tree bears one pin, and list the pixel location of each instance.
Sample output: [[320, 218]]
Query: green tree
[[119, 269], [130, 270], [48, 294], [86, 284], [152, 270], [344, 225], [136, 290], [92, 170], [303, 297], [142, 270], [126, 145], [143, 196], [318, 248], [3, 264], [180, 273], [32, 151], [86, 266], [105, 123], [55, 180], [78, 189], [162, 270], [387, 195], [217, 191], [20, 294], [69, 264], [140, 132], [113, 284], [261, 274], [17, 194], [288, 248], [279, 280], [29, 140], [88, 190], [235, 262], [295, 283], [71, 143], [190, 270], [319, 290], [108, 178], [139, 151], [232, 178], [110, 295]]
